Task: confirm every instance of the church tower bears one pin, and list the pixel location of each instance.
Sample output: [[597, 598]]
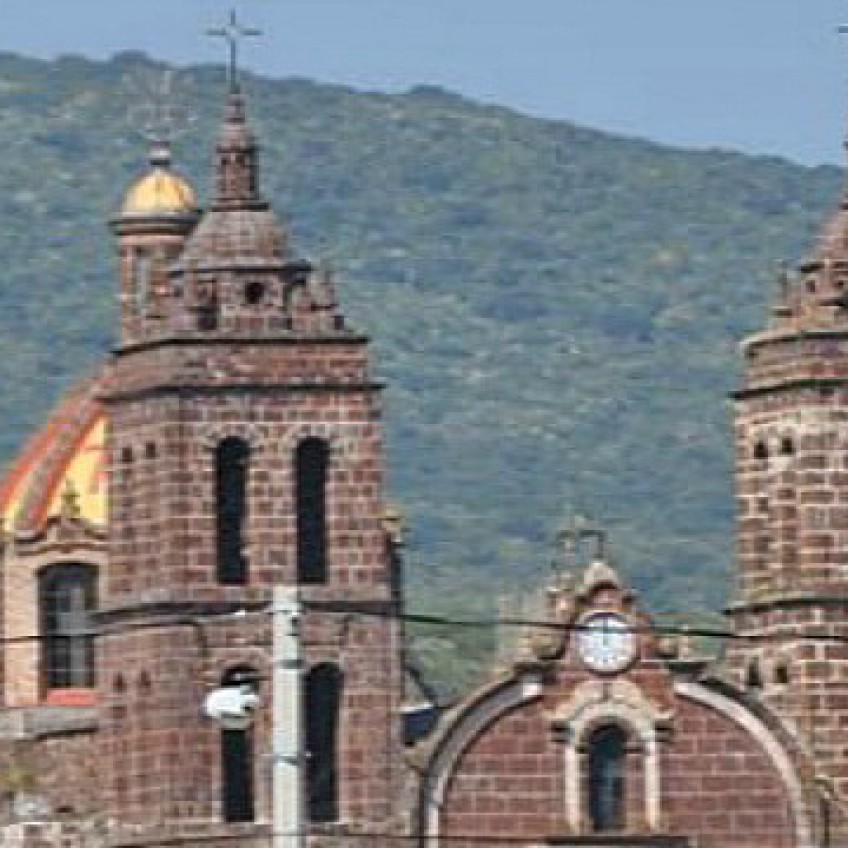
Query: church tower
[[792, 484], [244, 451]]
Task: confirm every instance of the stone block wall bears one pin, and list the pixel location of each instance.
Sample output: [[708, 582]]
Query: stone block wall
[[709, 780]]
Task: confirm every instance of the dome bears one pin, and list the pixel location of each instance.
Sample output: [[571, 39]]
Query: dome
[[160, 191], [62, 462]]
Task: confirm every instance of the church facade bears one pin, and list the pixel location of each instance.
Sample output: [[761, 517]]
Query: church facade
[[233, 443]]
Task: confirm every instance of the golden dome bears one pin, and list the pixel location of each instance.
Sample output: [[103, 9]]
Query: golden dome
[[160, 191]]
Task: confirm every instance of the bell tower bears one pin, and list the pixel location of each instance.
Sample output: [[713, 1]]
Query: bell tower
[[245, 451], [791, 444]]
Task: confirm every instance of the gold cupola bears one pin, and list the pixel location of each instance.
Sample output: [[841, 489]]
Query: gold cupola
[[160, 192], [158, 214]]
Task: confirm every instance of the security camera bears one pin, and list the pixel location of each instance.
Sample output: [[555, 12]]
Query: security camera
[[233, 707]]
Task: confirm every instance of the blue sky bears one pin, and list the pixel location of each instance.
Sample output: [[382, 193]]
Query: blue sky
[[764, 76]]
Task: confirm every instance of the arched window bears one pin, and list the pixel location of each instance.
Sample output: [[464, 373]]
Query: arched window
[[607, 759], [141, 272], [67, 598], [237, 790], [231, 469], [321, 710], [311, 462]]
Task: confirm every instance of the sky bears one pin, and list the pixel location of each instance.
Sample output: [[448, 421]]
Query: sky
[[767, 77]]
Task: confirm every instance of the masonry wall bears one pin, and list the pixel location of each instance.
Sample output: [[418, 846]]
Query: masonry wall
[[169, 640], [718, 786], [56, 775]]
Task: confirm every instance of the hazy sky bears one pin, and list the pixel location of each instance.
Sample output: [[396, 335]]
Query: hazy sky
[[765, 76]]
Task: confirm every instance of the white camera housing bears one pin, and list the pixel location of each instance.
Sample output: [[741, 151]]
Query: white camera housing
[[233, 707]]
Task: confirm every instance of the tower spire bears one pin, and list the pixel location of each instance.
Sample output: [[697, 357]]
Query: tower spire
[[236, 172]]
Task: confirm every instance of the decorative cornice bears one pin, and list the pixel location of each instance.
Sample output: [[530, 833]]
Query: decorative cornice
[[787, 602], [794, 383], [186, 390], [795, 334], [175, 612], [284, 339]]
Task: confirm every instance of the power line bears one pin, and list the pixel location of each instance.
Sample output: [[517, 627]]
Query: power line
[[564, 627], [332, 608]]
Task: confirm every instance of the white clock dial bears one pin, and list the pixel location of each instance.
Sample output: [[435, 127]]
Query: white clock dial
[[605, 642]]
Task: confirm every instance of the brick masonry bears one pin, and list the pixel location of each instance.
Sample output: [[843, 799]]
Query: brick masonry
[[699, 765], [262, 365], [224, 333]]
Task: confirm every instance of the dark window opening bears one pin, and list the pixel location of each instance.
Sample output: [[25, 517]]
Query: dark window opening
[[67, 600], [607, 753], [753, 676], [237, 780], [781, 674], [760, 451], [231, 469], [321, 709], [787, 446], [207, 317], [254, 291], [141, 272], [311, 494]]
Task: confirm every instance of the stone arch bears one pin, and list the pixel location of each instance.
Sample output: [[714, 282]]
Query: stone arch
[[247, 431], [768, 740], [592, 705], [469, 722], [343, 449]]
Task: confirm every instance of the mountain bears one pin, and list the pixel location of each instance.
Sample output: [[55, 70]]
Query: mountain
[[556, 310]]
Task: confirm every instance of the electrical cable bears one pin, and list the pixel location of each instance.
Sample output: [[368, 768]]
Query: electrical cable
[[333, 608]]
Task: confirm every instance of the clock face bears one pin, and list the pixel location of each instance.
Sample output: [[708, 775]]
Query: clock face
[[605, 642]]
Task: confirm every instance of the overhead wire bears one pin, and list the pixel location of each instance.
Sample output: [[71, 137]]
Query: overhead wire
[[352, 611]]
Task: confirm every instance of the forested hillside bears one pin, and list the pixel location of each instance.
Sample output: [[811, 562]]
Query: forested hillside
[[556, 310]]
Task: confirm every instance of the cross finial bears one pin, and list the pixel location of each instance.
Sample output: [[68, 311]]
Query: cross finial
[[571, 538], [843, 30], [232, 32]]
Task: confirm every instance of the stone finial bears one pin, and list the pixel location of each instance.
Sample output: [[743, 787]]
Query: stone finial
[[70, 507]]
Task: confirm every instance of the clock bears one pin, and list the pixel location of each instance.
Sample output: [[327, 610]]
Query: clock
[[605, 642]]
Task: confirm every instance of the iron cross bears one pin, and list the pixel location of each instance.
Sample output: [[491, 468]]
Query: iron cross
[[232, 32]]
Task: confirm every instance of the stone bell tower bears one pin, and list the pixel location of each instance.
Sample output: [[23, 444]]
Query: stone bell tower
[[245, 451], [791, 436]]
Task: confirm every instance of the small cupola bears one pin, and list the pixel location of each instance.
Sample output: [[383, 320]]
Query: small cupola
[[160, 193], [158, 213]]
